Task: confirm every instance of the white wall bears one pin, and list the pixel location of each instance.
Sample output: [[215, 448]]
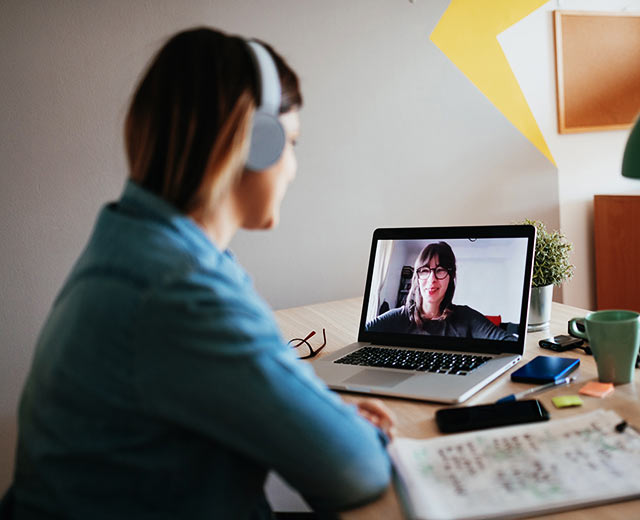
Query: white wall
[[588, 163], [393, 134], [399, 258]]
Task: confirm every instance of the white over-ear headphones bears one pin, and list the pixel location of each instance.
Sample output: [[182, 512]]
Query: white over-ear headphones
[[267, 134]]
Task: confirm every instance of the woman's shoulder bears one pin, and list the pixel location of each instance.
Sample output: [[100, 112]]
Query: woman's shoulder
[[390, 320], [462, 308], [399, 313], [464, 311], [395, 312]]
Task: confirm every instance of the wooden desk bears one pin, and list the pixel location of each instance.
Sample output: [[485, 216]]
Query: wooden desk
[[415, 418]]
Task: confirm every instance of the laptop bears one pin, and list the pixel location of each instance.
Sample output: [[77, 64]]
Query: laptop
[[444, 313]]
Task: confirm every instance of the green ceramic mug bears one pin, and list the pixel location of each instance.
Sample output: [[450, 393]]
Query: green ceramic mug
[[614, 337]]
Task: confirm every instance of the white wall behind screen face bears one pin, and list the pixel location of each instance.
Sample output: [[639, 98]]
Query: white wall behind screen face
[[490, 273], [399, 259]]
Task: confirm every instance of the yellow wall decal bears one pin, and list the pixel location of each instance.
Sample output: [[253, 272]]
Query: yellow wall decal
[[467, 35]]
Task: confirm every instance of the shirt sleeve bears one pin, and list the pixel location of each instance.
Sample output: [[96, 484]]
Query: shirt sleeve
[[393, 321], [481, 327], [213, 361]]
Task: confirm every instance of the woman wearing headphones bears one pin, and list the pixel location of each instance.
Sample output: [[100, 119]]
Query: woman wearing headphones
[[161, 386]]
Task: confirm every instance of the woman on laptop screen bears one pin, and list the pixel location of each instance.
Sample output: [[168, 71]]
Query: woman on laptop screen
[[429, 308], [161, 385]]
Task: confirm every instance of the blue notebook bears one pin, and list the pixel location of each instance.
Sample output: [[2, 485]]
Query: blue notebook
[[545, 369]]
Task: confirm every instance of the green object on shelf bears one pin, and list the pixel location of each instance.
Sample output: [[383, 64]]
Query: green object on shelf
[[631, 158]]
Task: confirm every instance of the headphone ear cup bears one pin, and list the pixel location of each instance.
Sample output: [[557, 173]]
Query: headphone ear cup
[[267, 141]]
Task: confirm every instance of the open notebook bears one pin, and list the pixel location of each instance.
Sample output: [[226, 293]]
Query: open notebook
[[520, 470]]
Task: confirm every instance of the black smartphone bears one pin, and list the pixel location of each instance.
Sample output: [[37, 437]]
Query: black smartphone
[[561, 343], [450, 420]]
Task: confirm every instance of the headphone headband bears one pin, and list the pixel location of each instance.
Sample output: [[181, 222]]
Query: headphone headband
[[267, 134], [270, 91]]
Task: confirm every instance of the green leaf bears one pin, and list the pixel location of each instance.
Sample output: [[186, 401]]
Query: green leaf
[[551, 264]]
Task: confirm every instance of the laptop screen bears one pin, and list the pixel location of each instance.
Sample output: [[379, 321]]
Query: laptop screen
[[449, 286]]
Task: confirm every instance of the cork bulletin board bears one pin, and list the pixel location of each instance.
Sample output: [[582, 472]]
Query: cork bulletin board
[[597, 70]]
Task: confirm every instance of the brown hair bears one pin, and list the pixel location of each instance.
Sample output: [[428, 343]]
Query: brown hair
[[188, 124], [446, 259]]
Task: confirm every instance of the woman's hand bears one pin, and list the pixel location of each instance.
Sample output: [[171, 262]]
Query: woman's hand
[[378, 414]]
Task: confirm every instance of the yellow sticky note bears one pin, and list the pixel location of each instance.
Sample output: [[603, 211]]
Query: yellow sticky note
[[562, 401]]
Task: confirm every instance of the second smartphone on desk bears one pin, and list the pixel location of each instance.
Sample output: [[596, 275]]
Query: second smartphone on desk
[[561, 343]]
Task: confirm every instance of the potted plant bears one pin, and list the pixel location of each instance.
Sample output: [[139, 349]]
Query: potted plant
[[551, 267]]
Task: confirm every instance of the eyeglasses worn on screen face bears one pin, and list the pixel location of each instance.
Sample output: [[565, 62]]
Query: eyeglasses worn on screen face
[[439, 272], [303, 345]]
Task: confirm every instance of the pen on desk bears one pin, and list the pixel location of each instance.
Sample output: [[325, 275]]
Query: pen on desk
[[621, 427], [543, 388]]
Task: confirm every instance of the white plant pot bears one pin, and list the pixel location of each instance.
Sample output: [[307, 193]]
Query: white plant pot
[[540, 308]]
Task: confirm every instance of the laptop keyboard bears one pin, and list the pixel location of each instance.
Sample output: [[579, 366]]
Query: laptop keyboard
[[424, 361]]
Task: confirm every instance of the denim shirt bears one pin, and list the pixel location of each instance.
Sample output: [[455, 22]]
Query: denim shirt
[[161, 387]]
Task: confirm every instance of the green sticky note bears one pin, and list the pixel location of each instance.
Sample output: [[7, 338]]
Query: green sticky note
[[562, 401]]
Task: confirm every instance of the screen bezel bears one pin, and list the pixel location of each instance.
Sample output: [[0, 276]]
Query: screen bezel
[[444, 342]]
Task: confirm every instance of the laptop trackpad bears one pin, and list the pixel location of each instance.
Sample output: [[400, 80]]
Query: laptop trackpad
[[377, 378]]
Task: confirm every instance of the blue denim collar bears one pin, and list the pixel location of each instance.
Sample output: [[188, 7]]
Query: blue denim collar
[[138, 200]]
